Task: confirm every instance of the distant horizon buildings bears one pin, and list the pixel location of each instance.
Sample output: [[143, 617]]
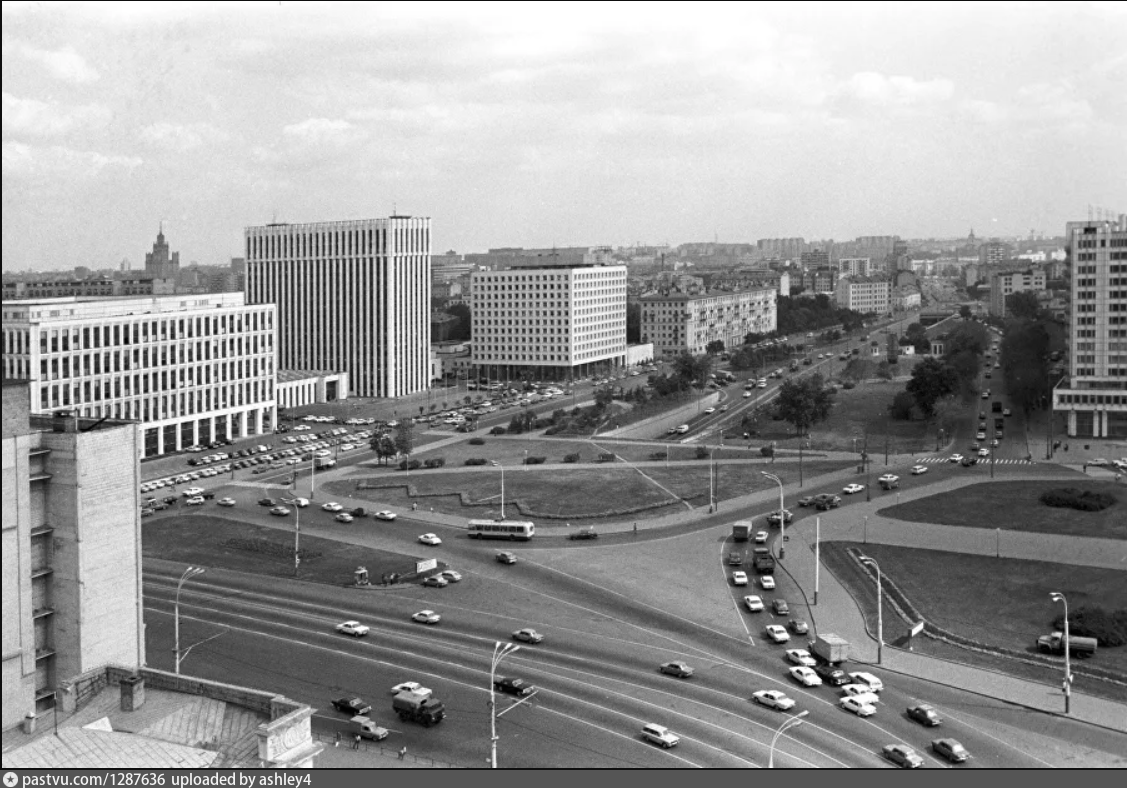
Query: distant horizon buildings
[[352, 296]]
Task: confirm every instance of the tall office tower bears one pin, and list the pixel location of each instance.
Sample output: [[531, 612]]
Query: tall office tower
[[193, 368], [561, 320], [1096, 395], [160, 263], [352, 296], [72, 551]]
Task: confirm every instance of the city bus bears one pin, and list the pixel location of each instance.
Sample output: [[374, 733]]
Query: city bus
[[501, 529]]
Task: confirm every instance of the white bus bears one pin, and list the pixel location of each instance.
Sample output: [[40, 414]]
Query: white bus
[[501, 529]]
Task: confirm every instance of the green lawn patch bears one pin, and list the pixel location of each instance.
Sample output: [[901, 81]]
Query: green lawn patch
[[230, 544], [1017, 506], [734, 481], [999, 602]]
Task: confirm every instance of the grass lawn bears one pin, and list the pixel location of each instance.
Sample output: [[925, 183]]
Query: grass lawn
[[207, 540], [1015, 506], [949, 589], [733, 481], [510, 450]]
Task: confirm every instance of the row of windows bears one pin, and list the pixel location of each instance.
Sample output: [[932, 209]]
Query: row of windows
[[64, 340], [163, 406], [337, 242]]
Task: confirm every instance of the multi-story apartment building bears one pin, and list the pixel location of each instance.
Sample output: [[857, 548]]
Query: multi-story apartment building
[[192, 368], [993, 252], [352, 296], [1005, 284], [678, 323], [855, 266], [96, 287], [72, 551], [1095, 397], [561, 320], [905, 299], [815, 258], [864, 294]]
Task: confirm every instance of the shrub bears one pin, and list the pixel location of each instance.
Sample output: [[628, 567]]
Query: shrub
[[555, 429], [497, 431], [535, 460], [477, 441], [659, 455], [411, 465], [1073, 498], [571, 458], [476, 461], [702, 453], [1109, 628], [436, 462], [607, 456], [540, 424], [767, 451]]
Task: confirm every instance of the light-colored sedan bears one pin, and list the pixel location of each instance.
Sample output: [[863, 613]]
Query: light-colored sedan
[[955, 458], [983, 452], [754, 604], [773, 699], [430, 539], [410, 686], [226, 502], [806, 676], [195, 500], [849, 489], [767, 581], [384, 515], [777, 633], [353, 628], [332, 506], [426, 617], [858, 705], [761, 537], [917, 470], [527, 636], [800, 656], [343, 517], [889, 477], [739, 578]]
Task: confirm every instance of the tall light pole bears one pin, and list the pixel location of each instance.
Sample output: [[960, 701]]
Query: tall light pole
[[789, 722], [880, 612], [817, 554], [190, 572], [1059, 597], [502, 467], [296, 533], [711, 483], [500, 651], [782, 517]]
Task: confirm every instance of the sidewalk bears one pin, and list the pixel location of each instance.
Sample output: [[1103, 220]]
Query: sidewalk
[[371, 755]]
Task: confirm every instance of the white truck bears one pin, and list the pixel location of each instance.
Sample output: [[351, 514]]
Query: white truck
[[830, 648]]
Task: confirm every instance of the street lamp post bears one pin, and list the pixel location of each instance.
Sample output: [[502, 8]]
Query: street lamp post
[[1067, 685], [502, 467], [880, 612], [296, 533], [711, 483], [782, 517], [190, 572], [500, 651], [789, 722], [817, 554]]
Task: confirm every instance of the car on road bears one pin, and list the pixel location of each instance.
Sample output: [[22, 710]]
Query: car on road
[[528, 635], [827, 501], [747, 395], [353, 628], [773, 699], [966, 462], [800, 656], [798, 626], [858, 705], [681, 670], [710, 410], [739, 578], [226, 502], [280, 511], [994, 443], [903, 756], [780, 607], [831, 674], [889, 478], [849, 489], [352, 706], [513, 686], [344, 517], [436, 581], [925, 714], [868, 679], [426, 617], [195, 500], [805, 676], [411, 686], [777, 633], [955, 458], [332, 506], [1099, 462], [808, 500], [429, 539], [980, 435], [773, 517], [1007, 412], [192, 492], [659, 734], [918, 470], [950, 749], [754, 604], [384, 515], [986, 395], [767, 582], [450, 576], [267, 502], [761, 537], [506, 558], [583, 534], [983, 452], [854, 688]]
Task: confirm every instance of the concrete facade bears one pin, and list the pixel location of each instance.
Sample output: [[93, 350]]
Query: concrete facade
[[1003, 285], [298, 388], [864, 294], [678, 323]]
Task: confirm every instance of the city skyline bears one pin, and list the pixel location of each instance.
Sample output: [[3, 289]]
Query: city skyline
[[550, 126]]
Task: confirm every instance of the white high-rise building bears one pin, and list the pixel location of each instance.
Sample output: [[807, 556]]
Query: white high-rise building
[[864, 294], [562, 320], [193, 369], [1095, 397], [352, 296]]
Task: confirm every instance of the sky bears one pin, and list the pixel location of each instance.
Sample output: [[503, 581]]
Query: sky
[[541, 124]]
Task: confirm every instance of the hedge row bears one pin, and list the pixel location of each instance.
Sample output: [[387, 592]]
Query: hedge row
[[1082, 500]]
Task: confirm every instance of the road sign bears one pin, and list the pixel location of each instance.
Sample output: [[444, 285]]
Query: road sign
[[917, 629]]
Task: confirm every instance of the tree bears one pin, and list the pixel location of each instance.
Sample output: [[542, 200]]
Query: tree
[[1025, 364], [1023, 305], [714, 347], [931, 381], [383, 446], [405, 438], [604, 395], [462, 331], [693, 368], [902, 407], [965, 312], [917, 337], [804, 402]]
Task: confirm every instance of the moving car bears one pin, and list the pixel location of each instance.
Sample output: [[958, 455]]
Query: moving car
[[430, 539], [344, 517], [583, 534], [754, 604], [267, 502], [528, 635], [805, 676], [681, 670], [889, 478], [826, 501], [951, 750], [739, 578], [808, 500], [353, 628], [966, 462], [983, 452], [332, 506], [384, 515], [450, 575], [800, 656], [777, 633], [279, 511], [426, 617], [761, 537], [659, 734], [868, 679], [858, 705], [710, 410], [513, 686], [436, 581], [849, 489], [773, 699], [1007, 412], [831, 674], [955, 458], [506, 558], [195, 500], [780, 607], [798, 626], [919, 469], [226, 502], [903, 756], [352, 706], [773, 517], [411, 686], [768, 582], [925, 714]]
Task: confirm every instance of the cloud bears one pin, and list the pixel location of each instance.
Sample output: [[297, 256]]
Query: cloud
[[869, 87], [1054, 101], [56, 161], [35, 118], [322, 131], [65, 64], [179, 138]]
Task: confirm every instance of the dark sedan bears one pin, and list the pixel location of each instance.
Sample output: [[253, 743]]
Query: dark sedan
[[352, 706], [832, 675]]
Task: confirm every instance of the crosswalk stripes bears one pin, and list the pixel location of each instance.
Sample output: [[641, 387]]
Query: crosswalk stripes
[[981, 461]]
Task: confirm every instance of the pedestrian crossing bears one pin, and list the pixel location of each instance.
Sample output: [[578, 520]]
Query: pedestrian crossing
[[946, 458]]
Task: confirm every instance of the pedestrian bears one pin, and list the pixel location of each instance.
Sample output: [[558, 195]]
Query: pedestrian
[[356, 742], [336, 739], [403, 752], [414, 506], [635, 528]]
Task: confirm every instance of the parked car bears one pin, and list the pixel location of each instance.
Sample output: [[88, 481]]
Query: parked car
[[583, 534], [450, 576]]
